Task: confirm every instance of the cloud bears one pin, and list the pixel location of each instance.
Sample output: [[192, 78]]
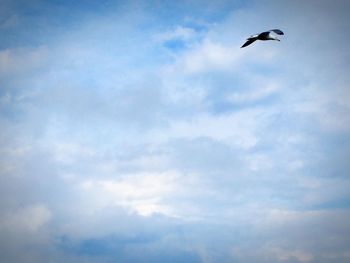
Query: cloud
[[69, 152], [241, 133], [180, 32], [207, 56], [285, 255], [142, 132], [28, 219], [143, 193], [22, 61]]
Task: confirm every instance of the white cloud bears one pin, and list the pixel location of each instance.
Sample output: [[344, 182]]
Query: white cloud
[[286, 255], [259, 162], [68, 152], [18, 151], [331, 112], [14, 62], [130, 136], [143, 193], [264, 88], [239, 129], [285, 216], [180, 32], [24, 220], [207, 56]]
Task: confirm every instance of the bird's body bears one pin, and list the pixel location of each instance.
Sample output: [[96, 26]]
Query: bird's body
[[263, 36]]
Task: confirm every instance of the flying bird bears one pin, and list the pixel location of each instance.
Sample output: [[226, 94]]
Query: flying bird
[[263, 36]]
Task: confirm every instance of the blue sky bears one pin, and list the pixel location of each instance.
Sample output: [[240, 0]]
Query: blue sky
[[139, 131]]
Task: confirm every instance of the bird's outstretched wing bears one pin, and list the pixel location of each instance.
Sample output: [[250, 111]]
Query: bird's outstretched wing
[[264, 35], [249, 41], [277, 31]]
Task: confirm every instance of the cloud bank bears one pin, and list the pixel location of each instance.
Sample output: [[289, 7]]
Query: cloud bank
[[140, 131]]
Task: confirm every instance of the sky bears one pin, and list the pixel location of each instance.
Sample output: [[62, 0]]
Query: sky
[[140, 131]]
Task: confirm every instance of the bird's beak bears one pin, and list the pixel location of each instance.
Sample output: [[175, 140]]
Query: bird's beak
[[278, 39]]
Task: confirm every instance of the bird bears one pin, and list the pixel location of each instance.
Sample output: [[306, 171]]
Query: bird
[[263, 36]]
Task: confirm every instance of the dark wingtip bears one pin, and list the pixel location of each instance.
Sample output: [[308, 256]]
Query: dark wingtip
[[278, 31], [247, 43]]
